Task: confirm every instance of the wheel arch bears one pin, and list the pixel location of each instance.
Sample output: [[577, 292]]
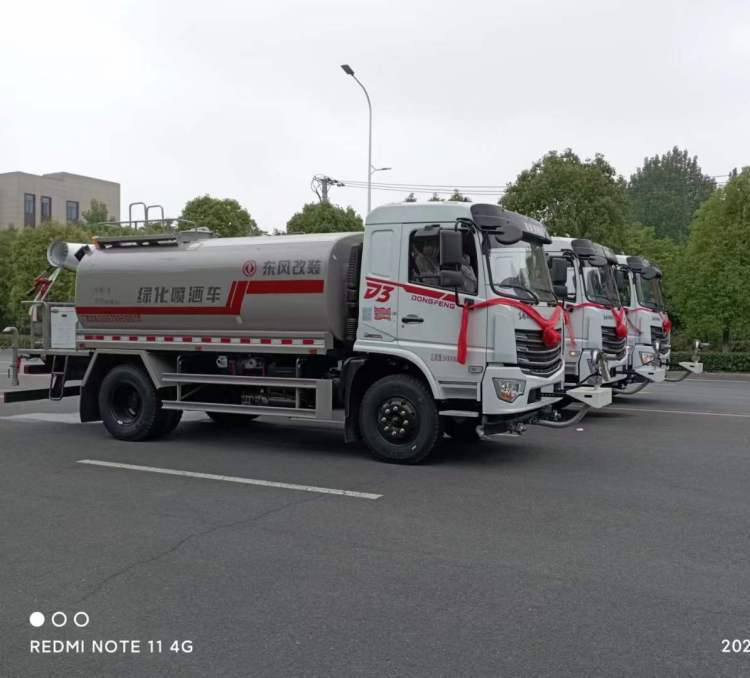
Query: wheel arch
[[101, 363], [362, 371]]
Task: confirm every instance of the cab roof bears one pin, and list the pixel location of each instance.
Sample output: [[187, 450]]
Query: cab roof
[[486, 216]]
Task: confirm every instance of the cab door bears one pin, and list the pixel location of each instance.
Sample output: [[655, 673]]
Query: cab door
[[430, 319]]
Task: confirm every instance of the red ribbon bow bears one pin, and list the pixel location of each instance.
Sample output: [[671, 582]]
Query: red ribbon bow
[[621, 329], [550, 336], [666, 323]]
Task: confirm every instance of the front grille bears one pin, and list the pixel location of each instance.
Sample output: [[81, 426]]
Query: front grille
[[612, 345], [657, 332], [534, 357]]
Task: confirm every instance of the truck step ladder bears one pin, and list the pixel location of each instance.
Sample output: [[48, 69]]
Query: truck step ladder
[[58, 377]]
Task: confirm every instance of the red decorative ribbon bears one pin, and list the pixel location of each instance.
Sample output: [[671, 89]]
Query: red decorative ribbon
[[621, 329], [550, 335], [666, 323], [633, 326], [569, 325], [41, 284]]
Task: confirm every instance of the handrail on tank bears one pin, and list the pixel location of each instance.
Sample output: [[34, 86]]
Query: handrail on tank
[[149, 208], [130, 213]]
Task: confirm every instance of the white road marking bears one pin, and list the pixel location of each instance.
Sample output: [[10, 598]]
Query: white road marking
[[699, 414], [232, 479]]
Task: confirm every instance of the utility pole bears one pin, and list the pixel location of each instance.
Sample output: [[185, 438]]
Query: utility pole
[[320, 184]]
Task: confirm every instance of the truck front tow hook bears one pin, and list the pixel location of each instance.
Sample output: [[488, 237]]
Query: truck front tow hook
[[559, 422]]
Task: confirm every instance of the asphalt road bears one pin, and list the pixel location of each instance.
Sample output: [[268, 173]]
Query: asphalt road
[[619, 549]]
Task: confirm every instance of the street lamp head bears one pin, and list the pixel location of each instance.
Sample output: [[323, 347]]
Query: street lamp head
[[347, 69]]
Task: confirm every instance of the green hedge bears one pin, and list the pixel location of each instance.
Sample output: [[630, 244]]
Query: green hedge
[[715, 361]]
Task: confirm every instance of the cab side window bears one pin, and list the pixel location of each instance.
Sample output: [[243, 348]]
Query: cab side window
[[623, 285], [424, 260], [572, 281], [555, 264]]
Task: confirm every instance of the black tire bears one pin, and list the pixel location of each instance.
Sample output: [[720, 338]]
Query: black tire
[[416, 415], [463, 430], [168, 421], [129, 404], [231, 418]]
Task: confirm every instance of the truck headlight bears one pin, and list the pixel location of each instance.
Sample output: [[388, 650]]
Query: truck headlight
[[647, 358], [508, 389]]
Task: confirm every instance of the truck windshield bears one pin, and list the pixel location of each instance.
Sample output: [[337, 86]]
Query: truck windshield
[[521, 271], [600, 285], [649, 292]]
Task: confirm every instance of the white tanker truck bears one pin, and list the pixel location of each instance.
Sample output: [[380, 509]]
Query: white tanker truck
[[649, 327], [439, 317], [595, 320]]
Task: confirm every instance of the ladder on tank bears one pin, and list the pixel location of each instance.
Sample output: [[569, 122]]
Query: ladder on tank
[[58, 377]]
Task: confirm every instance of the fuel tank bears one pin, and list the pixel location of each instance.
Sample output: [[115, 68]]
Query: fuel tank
[[292, 283]]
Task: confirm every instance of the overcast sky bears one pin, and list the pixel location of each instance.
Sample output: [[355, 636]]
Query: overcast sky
[[247, 100]]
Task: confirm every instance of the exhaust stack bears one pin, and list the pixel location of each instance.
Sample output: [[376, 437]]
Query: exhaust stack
[[61, 254]]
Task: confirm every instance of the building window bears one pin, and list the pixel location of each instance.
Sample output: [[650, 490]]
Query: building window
[[45, 208], [71, 211], [29, 209]]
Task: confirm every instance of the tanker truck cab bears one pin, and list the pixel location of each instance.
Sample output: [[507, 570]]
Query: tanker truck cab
[[438, 318], [461, 294], [596, 336], [649, 326]]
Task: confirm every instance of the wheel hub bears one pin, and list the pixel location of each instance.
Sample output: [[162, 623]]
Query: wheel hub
[[126, 404], [397, 420]]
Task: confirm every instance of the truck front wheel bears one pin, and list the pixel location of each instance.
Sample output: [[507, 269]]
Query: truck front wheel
[[399, 420], [129, 405]]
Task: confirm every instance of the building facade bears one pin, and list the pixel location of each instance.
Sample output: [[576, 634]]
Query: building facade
[[31, 200]]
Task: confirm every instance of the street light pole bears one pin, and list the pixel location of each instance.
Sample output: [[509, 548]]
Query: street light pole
[[349, 71]]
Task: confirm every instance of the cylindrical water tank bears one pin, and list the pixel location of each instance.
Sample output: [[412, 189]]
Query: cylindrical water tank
[[294, 283]]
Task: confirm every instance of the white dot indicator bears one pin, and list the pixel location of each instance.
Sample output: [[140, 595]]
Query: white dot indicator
[[36, 619]]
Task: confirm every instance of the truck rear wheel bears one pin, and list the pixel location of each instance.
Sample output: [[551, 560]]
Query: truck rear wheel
[[168, 421], [129, 405], [399, 420], [231, 418]]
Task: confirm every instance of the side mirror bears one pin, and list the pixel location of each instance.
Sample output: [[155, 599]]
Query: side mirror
[[451, 249], [649, 273], [619, 278], [561, 291], [597, 260], [451, 280], [558, 269], [509, 235]]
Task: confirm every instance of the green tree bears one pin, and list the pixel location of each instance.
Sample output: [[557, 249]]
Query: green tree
[[410, 198], [323, 217], [457, 196], [435, 198], [226, 218], [714, 276], [96, 214], [666, 192], [583, 199], [6, 261]]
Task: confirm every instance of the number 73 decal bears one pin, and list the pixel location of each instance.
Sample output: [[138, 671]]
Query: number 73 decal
[[378, 291]]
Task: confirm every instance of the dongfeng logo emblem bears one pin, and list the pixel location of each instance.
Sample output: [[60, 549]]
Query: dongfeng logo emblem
[[249, 268]]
